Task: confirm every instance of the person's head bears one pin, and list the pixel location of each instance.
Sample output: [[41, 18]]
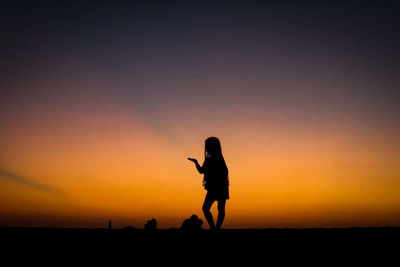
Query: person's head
[[212, 148]]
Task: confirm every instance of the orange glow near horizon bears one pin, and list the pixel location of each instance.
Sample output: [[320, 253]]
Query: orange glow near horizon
[[102, 102], [110, 165]]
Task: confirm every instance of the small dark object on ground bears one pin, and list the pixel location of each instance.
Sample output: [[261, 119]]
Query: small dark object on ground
[[192, 224], [150, 225]]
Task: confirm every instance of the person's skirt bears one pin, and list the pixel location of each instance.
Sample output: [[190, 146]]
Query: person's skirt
[[219, 193]]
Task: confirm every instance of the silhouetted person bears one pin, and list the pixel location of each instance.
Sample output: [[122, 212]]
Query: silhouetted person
[[192, 224], [215, 181], [109, 225], [150, 225]]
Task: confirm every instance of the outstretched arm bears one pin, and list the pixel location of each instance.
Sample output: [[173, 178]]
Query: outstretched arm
[[198, 167]]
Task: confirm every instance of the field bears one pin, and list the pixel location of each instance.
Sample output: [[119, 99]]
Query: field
[[225, 246]]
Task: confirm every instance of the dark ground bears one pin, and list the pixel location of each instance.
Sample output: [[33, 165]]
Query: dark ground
[[249, 246]]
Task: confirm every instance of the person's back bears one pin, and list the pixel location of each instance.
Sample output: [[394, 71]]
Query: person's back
[[215, 167], [216, 176]]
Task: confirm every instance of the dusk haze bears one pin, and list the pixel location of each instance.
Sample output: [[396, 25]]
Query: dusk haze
[[102, 102]]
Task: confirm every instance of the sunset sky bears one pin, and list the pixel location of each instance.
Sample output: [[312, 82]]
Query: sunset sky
[[101, 103]]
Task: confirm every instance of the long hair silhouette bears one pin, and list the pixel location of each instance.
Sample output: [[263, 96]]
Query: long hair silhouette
[[218, 170], [212, 148]]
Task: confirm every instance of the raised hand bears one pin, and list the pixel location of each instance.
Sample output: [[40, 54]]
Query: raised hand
[[192, 159]]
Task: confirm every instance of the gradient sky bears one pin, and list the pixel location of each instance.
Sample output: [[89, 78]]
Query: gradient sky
[[101, 103]]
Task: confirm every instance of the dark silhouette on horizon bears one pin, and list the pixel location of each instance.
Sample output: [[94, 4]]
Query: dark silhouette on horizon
[[151, 225], [215, 180], [192, 224], [109, 225], [129, 228]]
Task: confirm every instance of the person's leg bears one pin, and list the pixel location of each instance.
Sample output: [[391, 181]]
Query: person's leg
[[208, 201], [221, 213]]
